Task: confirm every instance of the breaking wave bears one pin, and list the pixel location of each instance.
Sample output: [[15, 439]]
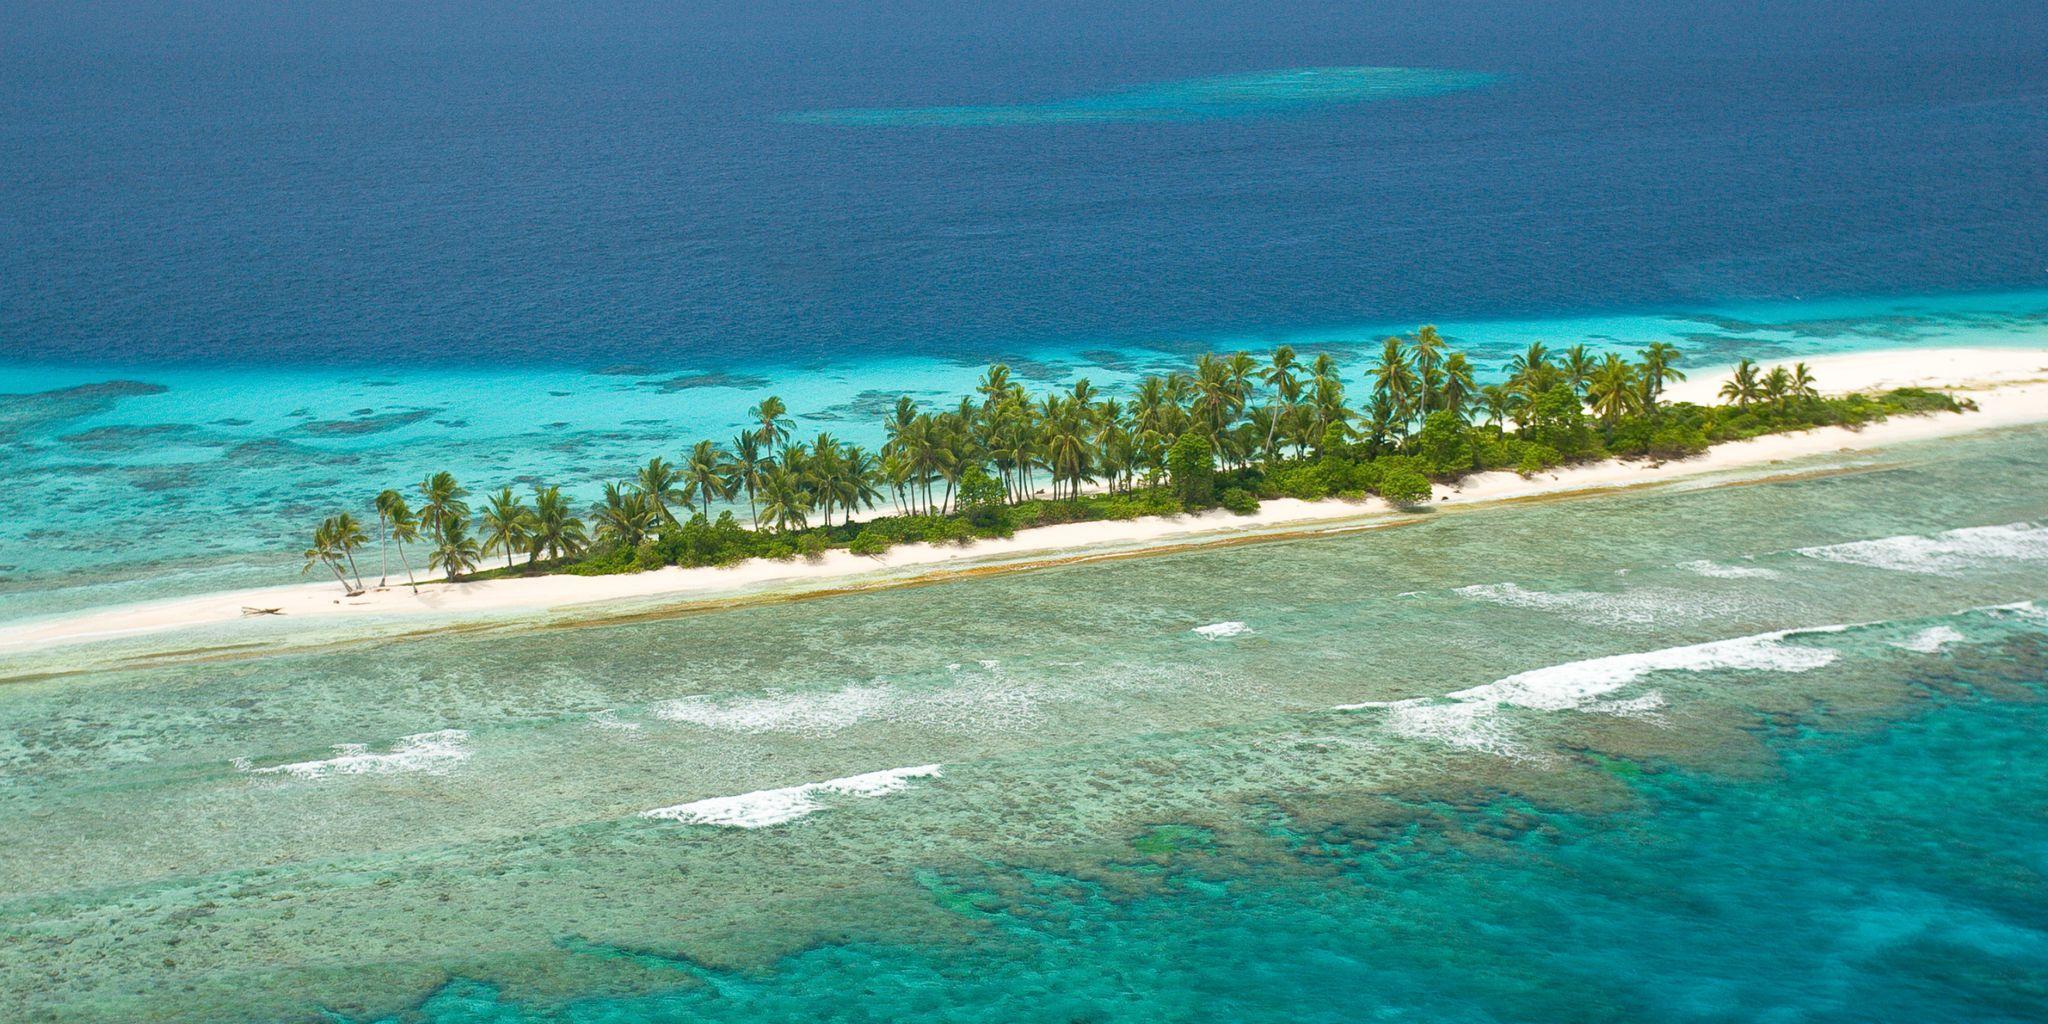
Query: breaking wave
[[1942, 554], [430, 752], [1723, 571], [766, 807], [1467, 718]]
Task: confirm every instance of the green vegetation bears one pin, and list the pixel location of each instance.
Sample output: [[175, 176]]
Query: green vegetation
[[1230, 432]]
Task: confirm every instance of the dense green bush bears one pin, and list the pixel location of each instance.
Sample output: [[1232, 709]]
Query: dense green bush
[[1191, 465], [1240, 501], [1404, 486]]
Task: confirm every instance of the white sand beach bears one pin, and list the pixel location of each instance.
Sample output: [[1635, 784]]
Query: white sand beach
[[2009, 385]]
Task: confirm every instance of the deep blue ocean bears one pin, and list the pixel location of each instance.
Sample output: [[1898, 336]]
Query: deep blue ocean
[[235, 183]]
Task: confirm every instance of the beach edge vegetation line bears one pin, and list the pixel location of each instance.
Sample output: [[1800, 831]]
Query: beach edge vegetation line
[[1227, 433]]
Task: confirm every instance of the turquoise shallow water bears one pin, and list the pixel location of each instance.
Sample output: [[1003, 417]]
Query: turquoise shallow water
[[1757, 751], [155, 481], [1264, 93]]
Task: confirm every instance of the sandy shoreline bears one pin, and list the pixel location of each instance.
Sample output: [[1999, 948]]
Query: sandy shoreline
[[2009, 385]]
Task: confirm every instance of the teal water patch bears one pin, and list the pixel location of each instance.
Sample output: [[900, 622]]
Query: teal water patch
[[1886, 869], [1263, 93]]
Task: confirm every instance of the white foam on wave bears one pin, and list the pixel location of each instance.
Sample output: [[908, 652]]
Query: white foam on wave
[[1723, 571], [1633, 608], [970, 701], [609, 719], [1466, 718], [1931, 640], [766, 807], [1942, 554], [433, 753], [2023, 609], [1221, 630], [814, 714]]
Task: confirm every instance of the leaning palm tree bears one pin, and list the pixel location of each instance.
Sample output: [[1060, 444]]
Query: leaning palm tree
[[346, 533], [387, 504], [455, 550], [322, 553], [507, 522], [555, 531], [405, 529]]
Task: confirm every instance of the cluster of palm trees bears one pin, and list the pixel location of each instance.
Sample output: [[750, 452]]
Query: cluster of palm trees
[[1778, 387], [1007, 442]]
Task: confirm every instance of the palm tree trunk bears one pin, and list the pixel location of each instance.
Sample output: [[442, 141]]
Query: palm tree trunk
[[383, 551], [353, 570], [339, 578], [413, 583]]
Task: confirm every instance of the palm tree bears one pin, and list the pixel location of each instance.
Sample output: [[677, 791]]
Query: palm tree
[[1578, 367], [784, 499], [405, 529], [555, 531], [444, 501], [1742, 388], [507, 522], [1777, 386], [1660, 364], [657, 480], [347, 535], [1218, 399], [1428, 344], [708, 476], [1459, 389], [772, 417], [1394, 382], [1498, 401], [624, 516], [1612, 389], [1802, 382], [455, 550], [386, 503], [853, 486], [749, 461], [995, 385], [1536, 355], [1280, 376], [323, 552]]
